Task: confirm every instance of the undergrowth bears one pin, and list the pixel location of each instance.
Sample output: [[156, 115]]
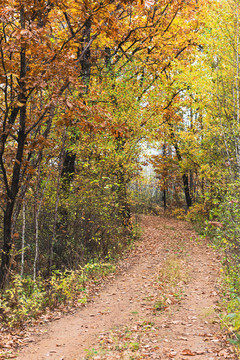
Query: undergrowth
[[220, 223], [223, 231], [26, 299]]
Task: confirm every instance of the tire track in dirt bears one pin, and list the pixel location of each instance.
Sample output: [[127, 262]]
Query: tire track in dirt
[[185, 329]]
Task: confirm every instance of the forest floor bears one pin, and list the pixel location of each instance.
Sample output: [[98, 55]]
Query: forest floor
[[161, 304]]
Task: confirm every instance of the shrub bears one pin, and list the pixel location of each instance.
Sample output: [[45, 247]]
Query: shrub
[[26, 299], [179, 213], [197, 213]]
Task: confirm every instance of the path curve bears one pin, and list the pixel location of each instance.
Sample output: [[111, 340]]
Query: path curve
[[184, 329]]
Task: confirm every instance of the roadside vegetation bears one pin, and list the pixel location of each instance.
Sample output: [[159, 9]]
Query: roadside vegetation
[[84, 88]]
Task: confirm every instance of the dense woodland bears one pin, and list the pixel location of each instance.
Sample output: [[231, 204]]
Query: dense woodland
[[84, 84]]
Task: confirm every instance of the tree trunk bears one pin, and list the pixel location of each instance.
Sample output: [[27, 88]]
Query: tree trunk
[[68, 169], [184, 175], [7, 243], [13, 189], [83, 55], [23, 237], [164, 198], [187, 191]]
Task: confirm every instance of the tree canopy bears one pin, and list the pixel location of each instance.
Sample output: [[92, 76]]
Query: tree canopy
[[83, 85]]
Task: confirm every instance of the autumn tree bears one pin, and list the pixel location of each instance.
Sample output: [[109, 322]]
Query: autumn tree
[[143, 50], [39, 64], [56, 58]]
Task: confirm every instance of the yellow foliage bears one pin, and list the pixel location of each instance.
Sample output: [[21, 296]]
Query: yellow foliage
[[197, 212], [179, 213]]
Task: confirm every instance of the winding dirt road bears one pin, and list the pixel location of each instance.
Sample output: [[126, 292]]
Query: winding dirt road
[[133, 317]]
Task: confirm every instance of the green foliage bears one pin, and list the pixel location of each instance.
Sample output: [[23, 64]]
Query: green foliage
[[161, 304], [134, 346], [26, 299], [235, 319], [179, 213], [224, 232], [23, 300], [90, 219], [235, 341], [96, 270], [90, 353], [227, 234], [198, 213]]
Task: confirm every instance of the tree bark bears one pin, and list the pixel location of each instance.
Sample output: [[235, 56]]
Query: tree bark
[[23, 237], [184, 175], [187, 190], [164, 198], [14, 187], [83, 56]]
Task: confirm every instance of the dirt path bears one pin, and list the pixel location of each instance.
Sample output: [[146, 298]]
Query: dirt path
[[162, 305]]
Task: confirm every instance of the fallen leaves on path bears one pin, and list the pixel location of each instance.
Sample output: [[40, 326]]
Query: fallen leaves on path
[[161, 305], [190, 353]]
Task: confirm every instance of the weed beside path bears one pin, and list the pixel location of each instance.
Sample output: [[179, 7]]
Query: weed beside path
[[163, 304]]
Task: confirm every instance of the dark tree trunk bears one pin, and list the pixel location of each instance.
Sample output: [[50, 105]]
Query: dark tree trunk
[[164, 198], [7, 243], [8, 213], [14, 186], [68, 168], [83, 55], [187, 191], [184, 175]]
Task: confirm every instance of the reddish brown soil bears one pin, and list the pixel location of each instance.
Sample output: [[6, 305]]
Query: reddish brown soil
[[122, 322]]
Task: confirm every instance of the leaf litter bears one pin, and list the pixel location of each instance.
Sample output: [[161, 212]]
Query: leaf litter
[[161, 304]]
